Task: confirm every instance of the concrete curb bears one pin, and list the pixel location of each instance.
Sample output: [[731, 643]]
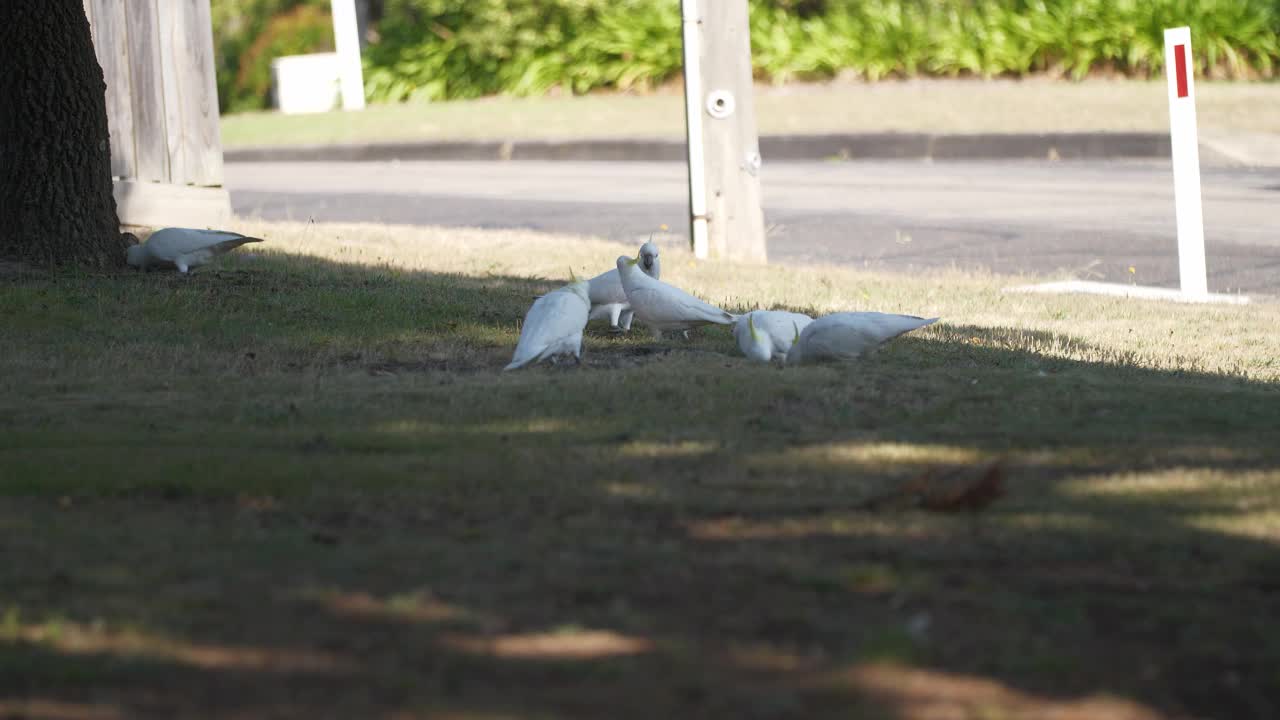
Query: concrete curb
[[776, 148]]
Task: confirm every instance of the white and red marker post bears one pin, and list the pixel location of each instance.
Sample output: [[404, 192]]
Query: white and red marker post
[[1188, 211], [1186, 160]]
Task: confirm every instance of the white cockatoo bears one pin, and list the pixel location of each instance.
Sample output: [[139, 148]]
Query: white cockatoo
[[665, 307], [847, 335], [609, 298], [766, 335], [184, 248], [554, 324]]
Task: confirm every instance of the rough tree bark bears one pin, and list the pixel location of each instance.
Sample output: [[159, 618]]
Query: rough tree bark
[[56, 206]]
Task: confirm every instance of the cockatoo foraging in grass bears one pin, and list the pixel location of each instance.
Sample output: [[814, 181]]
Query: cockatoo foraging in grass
[[766, 335], [553, 326], [184, 248], [848, 335], [665, 307], [609, 298]]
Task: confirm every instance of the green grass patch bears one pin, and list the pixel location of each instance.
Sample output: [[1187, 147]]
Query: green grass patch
[[298, 483], [956, 106]]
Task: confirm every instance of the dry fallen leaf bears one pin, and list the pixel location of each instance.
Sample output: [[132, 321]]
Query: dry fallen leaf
[[964, 490]]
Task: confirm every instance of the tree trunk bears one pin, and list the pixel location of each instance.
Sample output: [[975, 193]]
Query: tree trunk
[[56, 206]]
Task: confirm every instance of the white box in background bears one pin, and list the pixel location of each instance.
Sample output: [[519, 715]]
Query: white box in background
[[306, 83]]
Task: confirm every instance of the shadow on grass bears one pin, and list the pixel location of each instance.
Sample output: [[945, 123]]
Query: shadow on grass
[[366, 518]]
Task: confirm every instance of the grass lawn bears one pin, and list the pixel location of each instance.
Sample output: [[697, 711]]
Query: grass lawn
[[297, 484], [945, 106]]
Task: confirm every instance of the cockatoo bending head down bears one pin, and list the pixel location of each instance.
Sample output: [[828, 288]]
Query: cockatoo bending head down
[[849, 335], [757, 345], [553, 326], [765, 335], [134, 253], [184, 248]]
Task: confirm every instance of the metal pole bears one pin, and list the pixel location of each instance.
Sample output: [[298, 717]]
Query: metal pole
[[693, 129], [346, 40]]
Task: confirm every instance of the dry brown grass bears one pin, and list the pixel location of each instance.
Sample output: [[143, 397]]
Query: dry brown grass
[[964, 106]]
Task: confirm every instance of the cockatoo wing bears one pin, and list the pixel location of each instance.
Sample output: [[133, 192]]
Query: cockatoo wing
[[781, 327], [606, 289], [663, 306], [849, 335], [170, 243], [668, 304], [883, 327], [550, 327], [832, 340]]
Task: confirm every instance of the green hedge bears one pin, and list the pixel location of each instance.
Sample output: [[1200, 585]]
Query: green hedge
[[438, 49], [445, 49], [1233, 38]]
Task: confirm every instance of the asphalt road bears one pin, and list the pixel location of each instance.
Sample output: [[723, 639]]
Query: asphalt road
[[1088, 220]]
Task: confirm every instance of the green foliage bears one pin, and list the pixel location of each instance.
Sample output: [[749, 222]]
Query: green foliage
[[878, 38], [438, 49], [441, 49], [249, 34]]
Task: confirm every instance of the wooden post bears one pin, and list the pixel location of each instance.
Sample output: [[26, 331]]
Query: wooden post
[[146, 82], [730, 141], [109, 27], [162, 110], [190, 93], [346, 41]]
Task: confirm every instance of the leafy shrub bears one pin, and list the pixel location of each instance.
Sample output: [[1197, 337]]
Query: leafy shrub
[[249, 34], [437, 49], [304, 29], [878, 38], [440, 49]]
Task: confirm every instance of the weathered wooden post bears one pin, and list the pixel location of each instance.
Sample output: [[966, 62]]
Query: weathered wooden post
[[162, 110], [724, 145]]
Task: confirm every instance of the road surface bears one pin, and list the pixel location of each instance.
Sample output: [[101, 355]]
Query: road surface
[[1088, 220]]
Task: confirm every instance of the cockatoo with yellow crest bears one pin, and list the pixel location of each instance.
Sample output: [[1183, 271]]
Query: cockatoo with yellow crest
[[765, 335], [665, 307], [609, 298]]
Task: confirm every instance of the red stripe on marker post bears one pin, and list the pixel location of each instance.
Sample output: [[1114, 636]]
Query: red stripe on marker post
[[1180, 63]]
